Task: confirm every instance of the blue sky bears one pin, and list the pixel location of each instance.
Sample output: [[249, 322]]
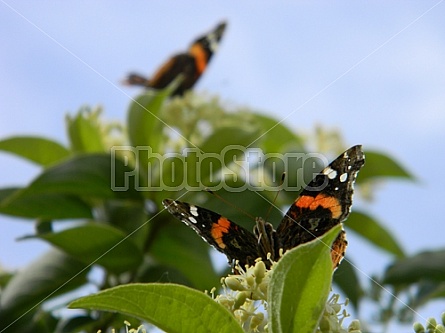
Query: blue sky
[[376, 71]]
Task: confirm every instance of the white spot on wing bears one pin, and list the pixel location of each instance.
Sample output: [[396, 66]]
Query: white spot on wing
[[192, 219], [193, 210], [343, 177], [331, 173]]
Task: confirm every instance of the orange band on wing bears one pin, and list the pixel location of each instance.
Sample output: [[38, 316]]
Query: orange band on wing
[[200, 57], [312, 203], [219, 229]]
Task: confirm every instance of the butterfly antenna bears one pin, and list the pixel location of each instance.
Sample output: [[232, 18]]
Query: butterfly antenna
[[230, 204], [283, 176]]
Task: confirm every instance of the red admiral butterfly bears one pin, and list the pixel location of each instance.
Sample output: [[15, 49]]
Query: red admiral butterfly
[[325, 202], [191, 64]]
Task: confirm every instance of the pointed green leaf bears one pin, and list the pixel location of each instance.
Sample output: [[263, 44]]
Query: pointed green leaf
[[57, 192], [5, 193], [345, 277], [429, 265], [144, 124], [93, 175], [275, 137], [224, 137], [126, 215], [99, 244], [84, 132], [179, 247], [173, 173], [223, 146], [143, 120], [374, 232], [52, 274], [382, 165], [38, 150], [48, 206], [427, 290], [300, 285], [172, 308]]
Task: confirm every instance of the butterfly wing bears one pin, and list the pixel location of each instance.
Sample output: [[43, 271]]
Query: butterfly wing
[[325, 202], [236, 242]]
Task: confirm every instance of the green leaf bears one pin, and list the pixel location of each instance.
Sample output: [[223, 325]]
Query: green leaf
[[174, 173], [223, 146], [143, 119], [144, 123], [93, 175], [429, 265], [381, 165], [38, 150], [345, 277], [99, 244], [300, 285], [276, 137], [48, 206], [223, 137], [427, 290], [7, 192], [179, 247], [58, 192], [84, 132], [4, 278], [172, 308], [51, 275], [126, 215], [374, 232]]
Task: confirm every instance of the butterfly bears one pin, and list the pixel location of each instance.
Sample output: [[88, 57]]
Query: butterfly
[[324, 203], [190, 64]]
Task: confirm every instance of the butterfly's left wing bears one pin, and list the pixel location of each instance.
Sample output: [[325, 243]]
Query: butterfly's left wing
[[325, 202], [236, 242]]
